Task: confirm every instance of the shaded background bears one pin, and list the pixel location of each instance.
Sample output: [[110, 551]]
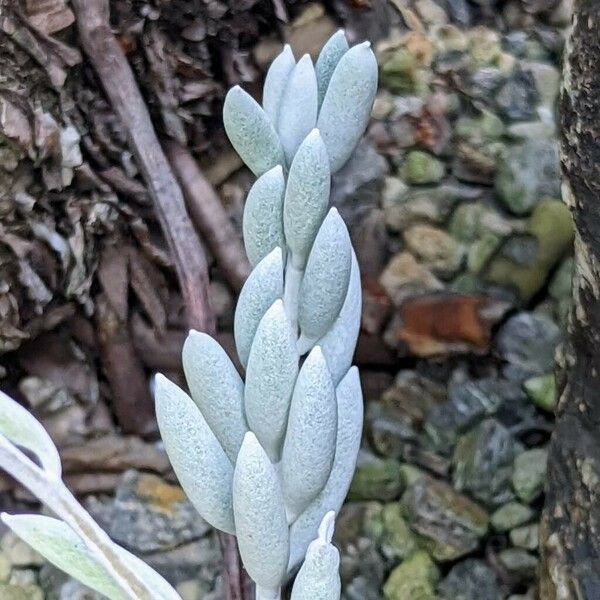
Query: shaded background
[[453, 203]]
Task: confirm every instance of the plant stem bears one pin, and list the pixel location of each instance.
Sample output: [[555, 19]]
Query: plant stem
[[268, 594], [291, 292]]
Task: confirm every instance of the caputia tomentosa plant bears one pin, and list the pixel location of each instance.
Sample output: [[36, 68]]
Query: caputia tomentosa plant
[[268, 459]]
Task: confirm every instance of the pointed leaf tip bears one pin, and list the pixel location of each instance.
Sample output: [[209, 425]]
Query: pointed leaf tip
[[347, 104], [251, 132], [299, 106]]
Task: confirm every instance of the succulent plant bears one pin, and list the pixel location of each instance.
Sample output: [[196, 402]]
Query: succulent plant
[[268, 458]]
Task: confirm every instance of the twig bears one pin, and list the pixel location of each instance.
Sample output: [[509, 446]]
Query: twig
[[132, 402], [120, 86], [209, 216]]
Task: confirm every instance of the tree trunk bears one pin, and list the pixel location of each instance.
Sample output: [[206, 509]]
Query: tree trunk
[[570, 540]]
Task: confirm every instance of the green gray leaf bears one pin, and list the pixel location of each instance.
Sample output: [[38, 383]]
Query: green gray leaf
[[329, 57], [263, 215], [260, 520], [217, 389], [251, 133], [347, 104], [202, 467], [270, 377], [21, 428], [263, 286], [306, 197]]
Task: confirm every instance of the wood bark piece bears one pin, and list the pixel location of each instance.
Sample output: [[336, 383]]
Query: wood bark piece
[[132, 402], [117, 79], [209, 216], [570, 539], [120, 86]]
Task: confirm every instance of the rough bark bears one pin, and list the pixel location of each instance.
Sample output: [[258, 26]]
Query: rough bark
[[118, 82], [570, 542]]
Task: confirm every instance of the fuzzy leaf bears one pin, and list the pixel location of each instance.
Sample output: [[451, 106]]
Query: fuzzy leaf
[[339, 342], [276, 82], [299, 105], [270, 378], [350, 423], [347, 104], [202, 467], [325, 283], [306, 197], [161, 587], [251, 132], [263, 215], [60, 545], [309, 447], [217, 389], [260, 520], [21, 428], [263, 286], [319, 578], [329, 57]]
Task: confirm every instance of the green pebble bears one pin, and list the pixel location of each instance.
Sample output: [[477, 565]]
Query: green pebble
[[511, 515]]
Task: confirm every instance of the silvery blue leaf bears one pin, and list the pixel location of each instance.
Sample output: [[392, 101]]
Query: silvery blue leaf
[[306, 197], [263, 215], [309, 446], [325, 283], [319, 578], [347, 104], [350, 423], [217, 389], [263, 286], [339, 342], [21, 428], [60, 545], [270, 377], [259, 511], [299, 105], [330, 55], [161, 587], [202, 467], [276, 82], [250, 132]]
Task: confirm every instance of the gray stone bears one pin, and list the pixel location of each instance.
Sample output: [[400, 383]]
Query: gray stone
[[542, 391], [148, 514], [404, 206], [448, 524], [483, 463], [356, 188], [470, 579], [375, 479], [436, 249], [469, 402], [18, 592], [530, 474], [561, 284], [527, 342], [517, 99], [526, 537], [4, 567], [18, 553], [528, 172], [511, 515], [519, 562]]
